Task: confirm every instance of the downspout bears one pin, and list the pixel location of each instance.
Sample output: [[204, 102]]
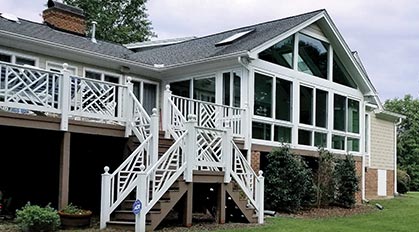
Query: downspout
[[395, 155]]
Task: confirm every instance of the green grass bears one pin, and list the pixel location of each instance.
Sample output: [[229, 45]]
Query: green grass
[[399, 214]]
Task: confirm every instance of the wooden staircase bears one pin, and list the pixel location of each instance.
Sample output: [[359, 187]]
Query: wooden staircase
[[239, 198]]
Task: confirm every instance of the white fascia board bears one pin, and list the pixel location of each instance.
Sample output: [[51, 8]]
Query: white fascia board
[[349, 53], [254, 52], [390, 116]]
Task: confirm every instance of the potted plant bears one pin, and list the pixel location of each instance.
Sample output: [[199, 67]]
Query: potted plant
[[73, 216], [34, 218]]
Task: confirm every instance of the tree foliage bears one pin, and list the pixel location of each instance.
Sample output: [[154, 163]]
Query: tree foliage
[[407, 136], [288, 182], [119, 21]]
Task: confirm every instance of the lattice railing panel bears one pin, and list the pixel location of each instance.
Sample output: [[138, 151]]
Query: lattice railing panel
[[209, 149], [29, 88]]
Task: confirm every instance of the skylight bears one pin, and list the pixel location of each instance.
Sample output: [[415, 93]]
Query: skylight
[[233, 37]]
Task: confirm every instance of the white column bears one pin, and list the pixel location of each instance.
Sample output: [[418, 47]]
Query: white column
[[142, 189], [191, 147], [260, 191], [154, 144], [128, 107], [65, 98], [166, 114], [227, 153], [105, 201]]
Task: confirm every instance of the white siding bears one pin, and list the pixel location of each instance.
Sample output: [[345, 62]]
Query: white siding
[[382, 144]]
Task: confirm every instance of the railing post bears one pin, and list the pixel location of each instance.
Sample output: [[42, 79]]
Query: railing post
[[105, 198], [245, 126], [227, 152], [166, 114], [260, 197], [191, 147], [140, 218], [128, 107], [65, 97], [154, 130]]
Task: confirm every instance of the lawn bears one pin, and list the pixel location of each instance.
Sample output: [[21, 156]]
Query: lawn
[[399, 214]]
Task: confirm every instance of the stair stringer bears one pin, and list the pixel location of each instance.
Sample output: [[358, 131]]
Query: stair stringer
[[248, 212], [175, 196]]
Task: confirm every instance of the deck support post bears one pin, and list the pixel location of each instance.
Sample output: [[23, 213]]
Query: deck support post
[[260, 197], [188, 206], [64, 170], [221, 206]]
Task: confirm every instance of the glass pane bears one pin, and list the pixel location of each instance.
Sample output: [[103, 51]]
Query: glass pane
[[149, 97], [283, 100], [321, 108], [204, 89], [263, 95], [320, 139], [236, 89], [339, 114], [353, 144], [353, 116], [5, 58], [312, 56], [261, 131], [181, 88], [226, 89], [306, 105], [282, 134], [304, 137], [93, 75], [340, 75], [137, 89], [281, 53], [112, 79], [22, 61], [338, 142]]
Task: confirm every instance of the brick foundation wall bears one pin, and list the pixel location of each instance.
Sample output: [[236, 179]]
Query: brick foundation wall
[[255, 161], [371, 184], [65, 21], [358, 194]]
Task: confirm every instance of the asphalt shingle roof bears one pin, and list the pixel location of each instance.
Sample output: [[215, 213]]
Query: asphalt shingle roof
[[191, 50], [204, 47], [46, 33]]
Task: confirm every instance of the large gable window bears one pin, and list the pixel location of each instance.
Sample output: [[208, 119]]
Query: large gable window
[[263, 95], [312, 56], [340, 75], [281, 53]]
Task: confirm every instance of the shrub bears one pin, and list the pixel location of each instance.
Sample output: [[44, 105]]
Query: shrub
[[288, 182], [37, 218], [346, 182], [324, 179], [403, 181]]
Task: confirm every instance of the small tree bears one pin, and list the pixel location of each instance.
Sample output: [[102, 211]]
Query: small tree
[[288, 182], [324, 180], [346, 182], [403, 181]]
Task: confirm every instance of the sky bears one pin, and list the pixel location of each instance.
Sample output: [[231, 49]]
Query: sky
[[384, 33]]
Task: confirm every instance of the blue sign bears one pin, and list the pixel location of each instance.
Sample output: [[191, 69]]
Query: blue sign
[[136, 207]]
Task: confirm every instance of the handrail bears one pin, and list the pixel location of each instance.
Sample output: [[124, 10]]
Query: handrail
[[208, 103]]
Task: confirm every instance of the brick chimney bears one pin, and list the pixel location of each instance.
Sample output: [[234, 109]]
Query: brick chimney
[[64, 17]]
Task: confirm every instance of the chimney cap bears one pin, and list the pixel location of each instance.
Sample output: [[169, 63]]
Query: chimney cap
[[61, 6]]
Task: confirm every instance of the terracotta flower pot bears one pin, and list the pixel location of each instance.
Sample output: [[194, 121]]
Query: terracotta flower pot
[[71, 221]]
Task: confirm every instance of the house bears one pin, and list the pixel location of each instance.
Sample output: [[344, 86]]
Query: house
[[190, 120]]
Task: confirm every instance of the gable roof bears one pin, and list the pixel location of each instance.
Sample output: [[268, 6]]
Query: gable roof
[[45, 33], [204, 47]]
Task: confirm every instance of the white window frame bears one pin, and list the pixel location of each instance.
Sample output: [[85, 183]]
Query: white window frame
[[142, 81], [22, 55], [55, 65], [102, 74]]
